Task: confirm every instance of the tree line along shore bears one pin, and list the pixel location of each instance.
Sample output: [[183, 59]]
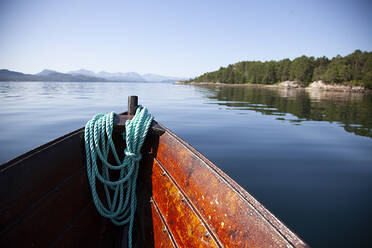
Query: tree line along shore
[[354, 70]]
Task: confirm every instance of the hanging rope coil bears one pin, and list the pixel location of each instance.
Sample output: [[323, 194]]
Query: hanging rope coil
[[121, 201]]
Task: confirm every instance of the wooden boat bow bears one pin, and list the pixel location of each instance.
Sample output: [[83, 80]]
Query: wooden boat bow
[[184, 200]]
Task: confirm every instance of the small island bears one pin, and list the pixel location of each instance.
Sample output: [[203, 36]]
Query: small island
[[349, 73]]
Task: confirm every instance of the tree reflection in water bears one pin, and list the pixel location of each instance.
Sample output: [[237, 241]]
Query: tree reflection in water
[[353, 111]]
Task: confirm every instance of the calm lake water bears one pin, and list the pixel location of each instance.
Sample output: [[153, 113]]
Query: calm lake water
[[306, 156]]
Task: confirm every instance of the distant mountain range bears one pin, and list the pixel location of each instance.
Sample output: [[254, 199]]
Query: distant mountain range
[[83, 75]]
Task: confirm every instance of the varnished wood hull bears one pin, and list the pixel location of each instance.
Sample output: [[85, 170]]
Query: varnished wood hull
[[184, 200]]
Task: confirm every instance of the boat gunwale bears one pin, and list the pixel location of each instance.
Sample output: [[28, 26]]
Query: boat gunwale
[[278, 225], [14, 161]]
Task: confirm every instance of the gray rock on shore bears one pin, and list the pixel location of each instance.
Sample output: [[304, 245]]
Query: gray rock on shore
[[320, 85], [289, 84]]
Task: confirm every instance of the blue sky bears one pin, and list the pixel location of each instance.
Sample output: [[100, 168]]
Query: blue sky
[[175, 38]]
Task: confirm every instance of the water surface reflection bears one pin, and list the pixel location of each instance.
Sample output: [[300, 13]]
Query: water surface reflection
[[351, 110]]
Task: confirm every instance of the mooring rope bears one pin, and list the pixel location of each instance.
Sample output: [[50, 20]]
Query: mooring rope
[[121, 193]]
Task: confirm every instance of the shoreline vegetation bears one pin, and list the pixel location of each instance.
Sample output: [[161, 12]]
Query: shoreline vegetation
[[349, 73]]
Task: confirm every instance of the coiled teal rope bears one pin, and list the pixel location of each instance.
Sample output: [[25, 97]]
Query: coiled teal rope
[[121, 193]]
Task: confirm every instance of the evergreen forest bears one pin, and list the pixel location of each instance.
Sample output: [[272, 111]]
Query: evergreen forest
[[353, 69]]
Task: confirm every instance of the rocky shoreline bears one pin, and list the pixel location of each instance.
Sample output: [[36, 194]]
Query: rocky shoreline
[[316, 85], [320, 85]]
